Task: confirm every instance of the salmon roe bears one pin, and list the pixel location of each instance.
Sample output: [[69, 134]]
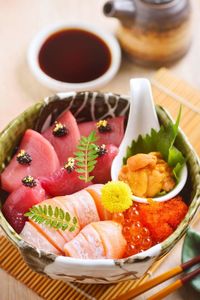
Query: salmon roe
[[137, 236]]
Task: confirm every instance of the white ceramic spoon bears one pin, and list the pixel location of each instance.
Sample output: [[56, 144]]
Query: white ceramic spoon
[[142, 118]]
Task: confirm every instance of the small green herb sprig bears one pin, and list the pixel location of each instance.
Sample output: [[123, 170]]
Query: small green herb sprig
[[86, 156], [53, 217]]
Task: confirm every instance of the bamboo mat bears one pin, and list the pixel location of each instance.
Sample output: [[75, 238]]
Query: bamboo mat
[[169, 92]]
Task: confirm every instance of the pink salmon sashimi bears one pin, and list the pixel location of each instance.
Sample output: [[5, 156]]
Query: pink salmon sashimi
[[62, 183], [114, 137], [44, 161], [95, 192], [33, 237], [84, 207], [102, 169], [112, 238], [19, 202], [64, 146], [102, 239], [56, 202]]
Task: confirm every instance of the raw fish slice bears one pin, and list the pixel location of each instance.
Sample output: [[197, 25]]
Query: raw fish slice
[[112, 238], [52, 235], [32, 236], [84, 207], [54, 202], [101, 240], [79, 247], [64, 146], [62, 183], [44, 161], [113, 137], [102, 169], [19, 202], [94, 240], [95, 192]]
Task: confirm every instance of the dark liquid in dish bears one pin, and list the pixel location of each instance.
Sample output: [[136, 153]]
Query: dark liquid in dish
[[74, 56]]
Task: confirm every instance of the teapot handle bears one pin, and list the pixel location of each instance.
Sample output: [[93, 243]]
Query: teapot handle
[[119, 9]]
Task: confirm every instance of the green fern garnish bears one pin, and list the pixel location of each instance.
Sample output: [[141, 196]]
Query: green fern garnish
[[85, 156], [163, 142], [53, 217]]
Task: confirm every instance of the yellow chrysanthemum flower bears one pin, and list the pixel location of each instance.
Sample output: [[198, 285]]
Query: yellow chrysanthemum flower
[[116, 196]]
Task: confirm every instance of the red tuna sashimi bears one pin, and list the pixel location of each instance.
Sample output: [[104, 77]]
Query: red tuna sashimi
[[112, 137], [62, 183], [107, 241], [102, 170], [65, 145], [19, 202], [44, 161], [32, 236], [95, 192]]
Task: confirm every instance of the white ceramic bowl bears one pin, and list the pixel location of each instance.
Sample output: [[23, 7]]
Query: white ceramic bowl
[[57, 85]]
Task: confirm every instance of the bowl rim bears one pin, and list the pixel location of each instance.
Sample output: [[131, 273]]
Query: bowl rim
[[56, 85], [160, 249]]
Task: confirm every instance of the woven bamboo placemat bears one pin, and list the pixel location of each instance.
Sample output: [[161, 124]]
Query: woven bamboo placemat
[[169, 92]]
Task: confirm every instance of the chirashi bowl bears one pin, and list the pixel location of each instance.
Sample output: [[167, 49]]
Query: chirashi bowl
[[88, 106]]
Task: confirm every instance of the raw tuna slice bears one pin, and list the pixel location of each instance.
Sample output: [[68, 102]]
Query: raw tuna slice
[[64, 143], [19, 202], [62, 183], [44, 161], [114, 136], [95, 192], [102, 239], [102, 170], [32, 236]]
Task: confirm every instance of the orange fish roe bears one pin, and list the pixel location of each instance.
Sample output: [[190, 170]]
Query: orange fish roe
[[145, 225]]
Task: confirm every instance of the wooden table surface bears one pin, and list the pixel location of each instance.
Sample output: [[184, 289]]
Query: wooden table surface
[[19, 22]]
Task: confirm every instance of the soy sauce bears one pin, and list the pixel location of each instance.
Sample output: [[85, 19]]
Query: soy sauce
[[74, 56]]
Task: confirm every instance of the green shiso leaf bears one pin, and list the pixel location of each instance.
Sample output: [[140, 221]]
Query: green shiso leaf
[[53, 217], [86, 155], [163, 142]]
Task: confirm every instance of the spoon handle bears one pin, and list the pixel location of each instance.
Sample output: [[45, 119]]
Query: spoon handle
[[142, 110]]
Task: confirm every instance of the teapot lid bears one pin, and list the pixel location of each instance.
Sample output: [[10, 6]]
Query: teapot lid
[[157, 1]]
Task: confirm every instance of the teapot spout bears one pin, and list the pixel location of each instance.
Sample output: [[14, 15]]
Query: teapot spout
[[121, 9]]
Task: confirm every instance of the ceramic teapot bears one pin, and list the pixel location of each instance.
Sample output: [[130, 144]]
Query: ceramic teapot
[[152, 32]]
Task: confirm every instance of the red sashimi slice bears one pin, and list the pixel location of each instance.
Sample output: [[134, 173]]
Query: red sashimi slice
[[95, 192], [44, 161], [64, 146], [104, 240], [19, 202], [62, 183], [32, 236], [84, 207], [87, 244], [113, 137], [102, 170], [112, 238]]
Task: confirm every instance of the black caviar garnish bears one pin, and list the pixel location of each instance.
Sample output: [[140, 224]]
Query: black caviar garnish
[[24, 158], [29, 181], [69, 165], [60, 130], [101, 150], [103, 126]]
